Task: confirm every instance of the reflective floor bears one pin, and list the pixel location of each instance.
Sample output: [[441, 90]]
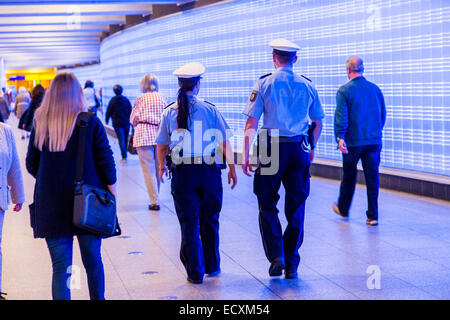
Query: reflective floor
[[340, 259]]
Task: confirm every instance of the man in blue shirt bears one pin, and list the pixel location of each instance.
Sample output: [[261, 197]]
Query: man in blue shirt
[[359, 120], [288, 102]]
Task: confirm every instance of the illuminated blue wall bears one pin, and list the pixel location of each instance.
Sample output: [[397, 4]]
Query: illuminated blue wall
[[92, 72], [405, 46]]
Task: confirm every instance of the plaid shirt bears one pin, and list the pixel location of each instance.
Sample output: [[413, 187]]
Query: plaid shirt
[[145, 117]]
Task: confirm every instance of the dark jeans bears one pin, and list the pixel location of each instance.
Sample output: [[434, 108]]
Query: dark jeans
[[61, 250], [197, 194], [122, 136], [370, 158], [293, 172]]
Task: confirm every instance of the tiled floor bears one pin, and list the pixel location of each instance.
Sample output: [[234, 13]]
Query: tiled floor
[[411, 246]]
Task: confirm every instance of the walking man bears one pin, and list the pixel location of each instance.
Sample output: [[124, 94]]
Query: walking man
[[358, 123]]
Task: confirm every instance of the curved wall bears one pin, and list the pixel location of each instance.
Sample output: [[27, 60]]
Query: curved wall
[[405, 46]]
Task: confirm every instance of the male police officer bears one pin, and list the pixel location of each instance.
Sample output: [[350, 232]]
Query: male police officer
[[288, 101]]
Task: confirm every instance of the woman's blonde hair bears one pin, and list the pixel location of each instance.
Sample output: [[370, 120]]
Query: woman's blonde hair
[[55, 119], [149, 83]]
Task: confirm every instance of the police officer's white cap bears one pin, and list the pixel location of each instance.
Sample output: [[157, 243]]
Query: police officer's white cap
[[190, 70], [284, 45]]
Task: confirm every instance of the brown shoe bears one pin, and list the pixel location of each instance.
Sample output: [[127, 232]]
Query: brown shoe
[[338, 212], [372, 222]]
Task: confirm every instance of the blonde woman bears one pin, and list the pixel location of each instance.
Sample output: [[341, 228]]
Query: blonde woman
[[11, 183], [51, 159], [145, 117]]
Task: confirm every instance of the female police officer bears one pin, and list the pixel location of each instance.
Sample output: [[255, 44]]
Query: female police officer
[[192, 129]]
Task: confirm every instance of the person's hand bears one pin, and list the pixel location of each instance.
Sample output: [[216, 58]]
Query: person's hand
[[18, 207], [343, 146], [161, 172], [232, 177], [246, 166], [311, 155]]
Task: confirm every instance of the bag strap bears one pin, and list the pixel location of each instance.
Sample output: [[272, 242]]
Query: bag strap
[[82, 122]]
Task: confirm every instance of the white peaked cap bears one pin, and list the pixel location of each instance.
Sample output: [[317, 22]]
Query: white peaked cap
[[190, 70], [284, 45]]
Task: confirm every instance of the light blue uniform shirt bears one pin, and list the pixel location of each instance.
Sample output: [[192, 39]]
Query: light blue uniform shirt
[[288, 102], [206, 129]]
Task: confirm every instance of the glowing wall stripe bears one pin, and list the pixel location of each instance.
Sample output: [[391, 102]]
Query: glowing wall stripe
[[405, 45]]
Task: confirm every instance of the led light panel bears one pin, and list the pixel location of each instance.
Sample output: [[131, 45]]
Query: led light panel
[[405, 46]]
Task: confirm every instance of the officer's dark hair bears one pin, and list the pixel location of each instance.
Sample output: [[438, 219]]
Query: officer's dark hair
[[118, 89], [285, 57], [88, 84], [183, 102]]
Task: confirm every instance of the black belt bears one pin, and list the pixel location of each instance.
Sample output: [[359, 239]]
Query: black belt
[[288, 139]]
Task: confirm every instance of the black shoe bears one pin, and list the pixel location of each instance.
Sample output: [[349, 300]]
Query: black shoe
[[2, 294], [276, 268], [213, 274], [195, 281], [290, 274], [154, 207]]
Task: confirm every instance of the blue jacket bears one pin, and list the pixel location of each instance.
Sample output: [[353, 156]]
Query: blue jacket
[[360, 113], [52, 210]]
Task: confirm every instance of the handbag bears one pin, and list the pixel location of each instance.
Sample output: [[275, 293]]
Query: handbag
[[131, 149], [94, 208]]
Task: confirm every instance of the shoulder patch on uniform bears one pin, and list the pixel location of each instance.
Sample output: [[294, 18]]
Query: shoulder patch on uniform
[[253, 96], [209, 103], [266, 75], [169, 105], [307, 78]]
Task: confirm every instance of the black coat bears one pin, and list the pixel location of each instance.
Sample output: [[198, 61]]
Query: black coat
[[52, 211], [119, 109], [28, 116]]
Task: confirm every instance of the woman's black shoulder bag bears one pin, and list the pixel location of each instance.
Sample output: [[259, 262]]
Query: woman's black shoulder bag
[[94, 209]]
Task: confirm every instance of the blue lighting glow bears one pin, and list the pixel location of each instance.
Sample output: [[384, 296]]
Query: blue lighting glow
[[405, 45]]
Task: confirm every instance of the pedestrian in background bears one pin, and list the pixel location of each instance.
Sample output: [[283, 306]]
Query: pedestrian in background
[[119, 110], [92, 102], [52, 160], [4, 107], [37, 95], [22, 103], [145, 117], [11, 183], [358, 124]]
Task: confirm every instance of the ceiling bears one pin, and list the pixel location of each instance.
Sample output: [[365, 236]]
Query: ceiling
[[54, 33]]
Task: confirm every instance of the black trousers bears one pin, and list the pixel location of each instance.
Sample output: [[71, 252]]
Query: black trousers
[[197, 194], [370, 158], [293, 172]]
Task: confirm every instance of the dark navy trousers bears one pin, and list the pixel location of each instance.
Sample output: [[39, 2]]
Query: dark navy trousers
[[197, 194], [293, 172], [122, 136], [370, 158]]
